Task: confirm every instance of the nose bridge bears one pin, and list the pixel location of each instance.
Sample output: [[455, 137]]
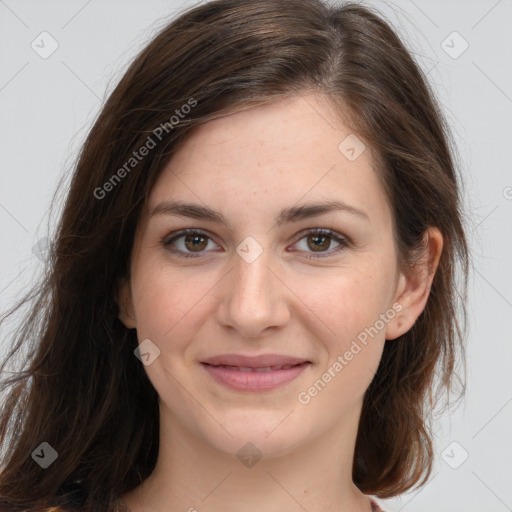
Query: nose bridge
[[252, 280], [253, 298]]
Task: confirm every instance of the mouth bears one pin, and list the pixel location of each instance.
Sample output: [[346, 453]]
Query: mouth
[[254, 376], [274, 361]]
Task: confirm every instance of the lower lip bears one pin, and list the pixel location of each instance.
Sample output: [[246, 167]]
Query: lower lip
[[254, 381]]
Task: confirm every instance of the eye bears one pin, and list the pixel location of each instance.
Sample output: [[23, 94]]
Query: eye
[[193, 240], [190, 243], [319, 239]]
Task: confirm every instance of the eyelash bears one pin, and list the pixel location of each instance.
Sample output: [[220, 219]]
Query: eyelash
[[342, 240]]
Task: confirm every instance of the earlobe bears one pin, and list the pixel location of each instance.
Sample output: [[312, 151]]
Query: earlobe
[[125, 302], [414, 287]]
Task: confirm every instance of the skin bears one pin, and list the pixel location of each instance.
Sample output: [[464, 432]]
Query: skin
[[249, 166]]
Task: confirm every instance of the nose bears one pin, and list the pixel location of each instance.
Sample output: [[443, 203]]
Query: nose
[[254, 298]]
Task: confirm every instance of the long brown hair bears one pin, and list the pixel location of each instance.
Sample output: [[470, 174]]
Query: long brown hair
[[80, 388]]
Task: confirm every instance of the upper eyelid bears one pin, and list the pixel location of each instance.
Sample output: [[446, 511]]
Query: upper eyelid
[[184, 232]]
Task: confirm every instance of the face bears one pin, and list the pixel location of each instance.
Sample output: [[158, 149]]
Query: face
[[319, 285]]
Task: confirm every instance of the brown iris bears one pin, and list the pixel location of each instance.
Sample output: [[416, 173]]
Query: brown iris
[[314, 247], [193, 242]]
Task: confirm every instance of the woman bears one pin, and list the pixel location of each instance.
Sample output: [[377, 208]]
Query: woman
[[252, 284]]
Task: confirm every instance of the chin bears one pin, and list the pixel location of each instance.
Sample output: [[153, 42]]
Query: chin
[[267, 432]]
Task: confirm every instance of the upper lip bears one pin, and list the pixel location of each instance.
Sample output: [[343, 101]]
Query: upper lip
[[261, 361]]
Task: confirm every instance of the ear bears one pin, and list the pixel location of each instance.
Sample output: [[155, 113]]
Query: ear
[[125, 302], [413, 287]]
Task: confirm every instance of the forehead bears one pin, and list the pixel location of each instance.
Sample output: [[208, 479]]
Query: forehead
[[280, 154]]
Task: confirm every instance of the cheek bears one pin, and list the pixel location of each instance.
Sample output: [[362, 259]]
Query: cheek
[[348, 303], [169, 302], [170, 308], [351, 307]]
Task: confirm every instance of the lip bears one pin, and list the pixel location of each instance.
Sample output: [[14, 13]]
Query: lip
[[225, 370]]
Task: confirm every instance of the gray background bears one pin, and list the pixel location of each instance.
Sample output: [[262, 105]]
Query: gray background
[[48, 104]]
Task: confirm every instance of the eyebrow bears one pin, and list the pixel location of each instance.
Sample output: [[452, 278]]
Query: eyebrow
[[287, 215]]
